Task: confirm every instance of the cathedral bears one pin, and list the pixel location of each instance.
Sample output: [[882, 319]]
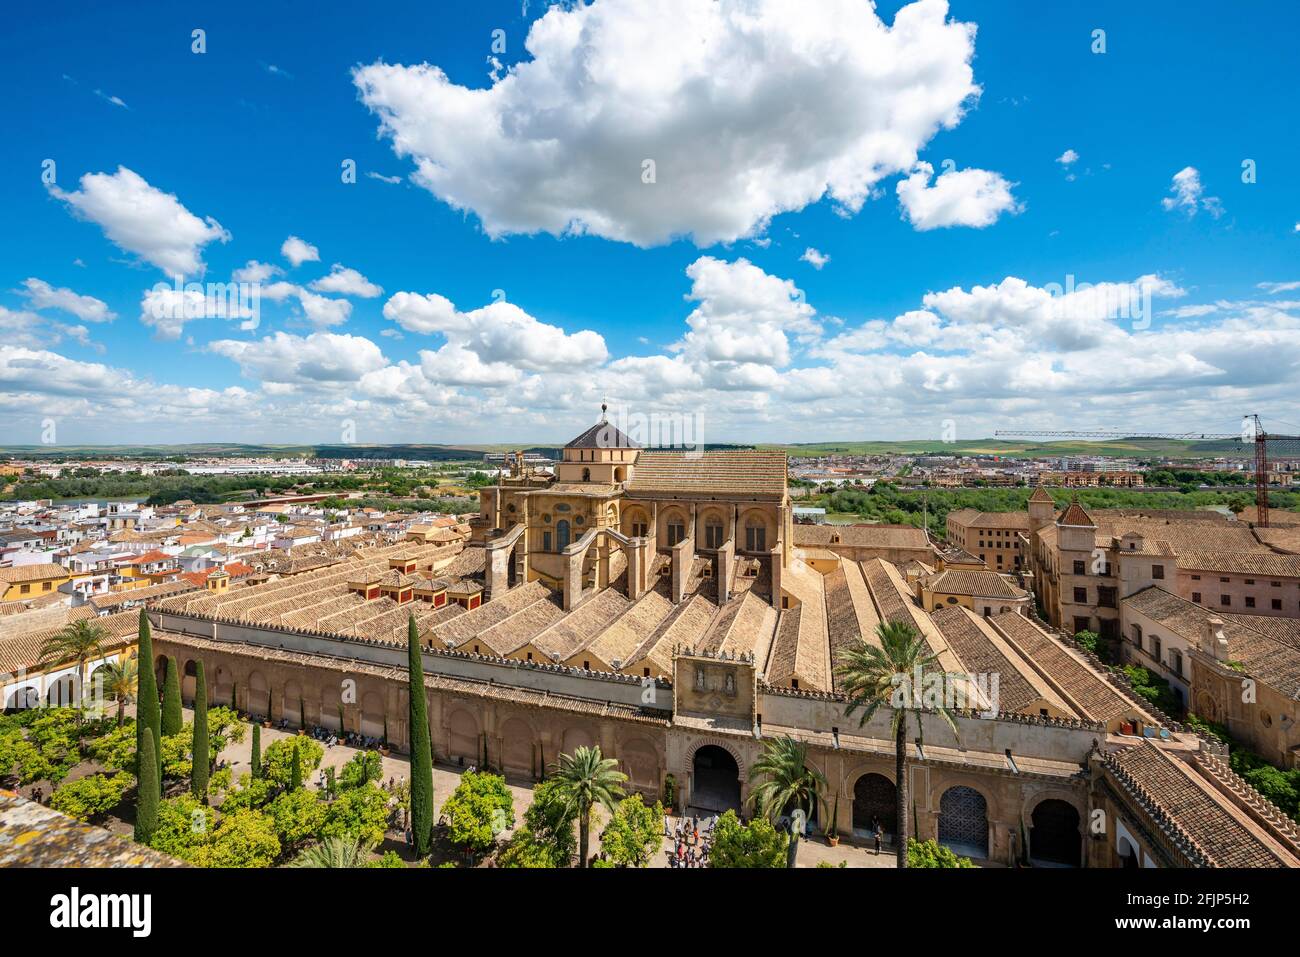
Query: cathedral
[[615, 514]]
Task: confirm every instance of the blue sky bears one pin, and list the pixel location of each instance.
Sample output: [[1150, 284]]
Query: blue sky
[[542, 274]]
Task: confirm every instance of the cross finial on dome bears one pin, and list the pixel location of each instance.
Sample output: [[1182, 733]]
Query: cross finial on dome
[[604, 407]]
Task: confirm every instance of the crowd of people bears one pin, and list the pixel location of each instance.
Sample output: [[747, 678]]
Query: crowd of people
[[330, 738], [692, 839]]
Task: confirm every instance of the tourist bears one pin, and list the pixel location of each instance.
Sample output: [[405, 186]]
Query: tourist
[[879, 836]]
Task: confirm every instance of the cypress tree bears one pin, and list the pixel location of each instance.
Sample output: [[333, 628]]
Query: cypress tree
[[146, 792], [421, 751], [147, 713], [256, 759], [295, 769], [201, 763], [172, 721]]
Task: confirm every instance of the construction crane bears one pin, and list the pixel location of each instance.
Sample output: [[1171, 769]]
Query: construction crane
[[1260, 438]]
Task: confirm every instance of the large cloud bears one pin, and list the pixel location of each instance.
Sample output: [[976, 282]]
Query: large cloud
[[753, 363], [145, 221], [321, 359], [499, 332], [747, 108], [744, 314]]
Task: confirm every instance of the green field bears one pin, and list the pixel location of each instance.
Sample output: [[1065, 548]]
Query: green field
[[1008, 448], [1129, 448]]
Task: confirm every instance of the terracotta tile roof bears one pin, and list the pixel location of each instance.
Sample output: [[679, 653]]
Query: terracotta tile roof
[[1067, 670], [1075, 515], [23, 651], [977, 584], [1285, 630], [509, 635], [151, 593], [749, 631], [564, 639], [973, 518], [32, 573], [757, 474], [1041, 495], [685, 626], [803, 655], [617, 642], [860, 536], [457, 632], [980, 655], [1263, 564], [149, 557], [850, 614], [1275, 663], [1214, 827]]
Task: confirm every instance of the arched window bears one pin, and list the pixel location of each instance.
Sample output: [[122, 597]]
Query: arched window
[[755, 536], [676, 530], [712, 533], [562, 534]]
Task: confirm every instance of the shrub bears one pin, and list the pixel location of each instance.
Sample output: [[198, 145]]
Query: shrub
[[756, 844], [933, 854], [277, 760], [634, 832], [91, 797], [362, 812], [478, 810], [546, 838], [298, 816]]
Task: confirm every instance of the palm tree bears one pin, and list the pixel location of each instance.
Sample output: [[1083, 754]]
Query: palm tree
[[120, 682], [584, 780], [883, 676], [786, 783], [345, 851], [79, 641]]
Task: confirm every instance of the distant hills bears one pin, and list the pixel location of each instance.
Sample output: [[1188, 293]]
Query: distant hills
[[1129, 448]]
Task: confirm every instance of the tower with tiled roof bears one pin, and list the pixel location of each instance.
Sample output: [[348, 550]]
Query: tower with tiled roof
[[1041, 510]]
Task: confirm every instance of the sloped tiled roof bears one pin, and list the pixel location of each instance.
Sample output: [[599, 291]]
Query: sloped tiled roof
[[1264, 564], [1075, 515], [980, 655], [977, 584], [1274, 662], [860, 536], [32, 573], [1209, 820], [758, 474], [1089, 690], [22, 652], [603, 435]]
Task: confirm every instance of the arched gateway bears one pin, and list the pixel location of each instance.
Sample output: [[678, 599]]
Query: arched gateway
[[716, 780]]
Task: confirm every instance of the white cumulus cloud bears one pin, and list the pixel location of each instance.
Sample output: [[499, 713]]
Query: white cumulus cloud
[[299, 251], [347, 282], [41, 295], [967, 197], [143, 220], [704, 118]]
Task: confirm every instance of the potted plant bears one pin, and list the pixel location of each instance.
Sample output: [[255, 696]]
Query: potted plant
[[383, 742], [832, 832]]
